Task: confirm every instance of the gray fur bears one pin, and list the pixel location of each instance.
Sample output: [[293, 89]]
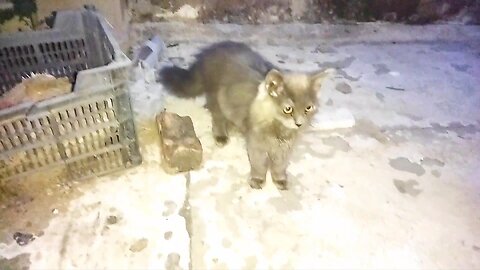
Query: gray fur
[[246, 91]]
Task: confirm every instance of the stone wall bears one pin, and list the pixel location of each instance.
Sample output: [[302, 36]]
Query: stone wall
[[114, 10], [313, 11]]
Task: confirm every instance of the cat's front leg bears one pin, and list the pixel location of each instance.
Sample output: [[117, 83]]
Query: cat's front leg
[[279, 164], [258, 162]]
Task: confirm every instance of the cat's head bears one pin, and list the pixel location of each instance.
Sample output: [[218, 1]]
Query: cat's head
[[294, 95]]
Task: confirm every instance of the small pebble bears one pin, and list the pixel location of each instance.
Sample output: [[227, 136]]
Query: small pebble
[[112, 220], [55, 211], [23, 239], [168, 235]]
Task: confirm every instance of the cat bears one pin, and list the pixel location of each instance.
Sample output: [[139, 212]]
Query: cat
[[271, 107]]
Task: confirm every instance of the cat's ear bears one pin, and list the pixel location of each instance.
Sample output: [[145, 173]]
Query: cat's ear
[[274, 83], [317, 78]]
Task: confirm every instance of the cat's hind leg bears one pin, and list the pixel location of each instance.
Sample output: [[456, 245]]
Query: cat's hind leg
[[219, 122]]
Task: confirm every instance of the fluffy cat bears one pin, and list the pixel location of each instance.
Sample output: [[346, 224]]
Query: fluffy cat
[[242, 89]]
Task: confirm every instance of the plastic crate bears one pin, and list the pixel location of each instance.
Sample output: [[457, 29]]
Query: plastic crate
[[89, 132]]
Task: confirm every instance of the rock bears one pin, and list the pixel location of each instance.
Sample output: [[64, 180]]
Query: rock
[[181, 148], [23, 239], [344, 88], [112, 220], [139, 245]]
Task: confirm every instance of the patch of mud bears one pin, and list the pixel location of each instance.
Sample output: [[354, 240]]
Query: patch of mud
[[168, 235], [139, 245], [347, 76], [380, 97], [407, 187], [368, 128], [170, 208], [343, 88], [436, 173], [172, 263], [457, 127], [405, 165], [381, 69], [29, 204], [282, 56], [339, 66], [460, 68], [324, 49], [338, 143], [428, 161], [20, 262]]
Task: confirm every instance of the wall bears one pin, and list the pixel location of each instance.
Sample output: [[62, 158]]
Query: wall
[[315, 11]]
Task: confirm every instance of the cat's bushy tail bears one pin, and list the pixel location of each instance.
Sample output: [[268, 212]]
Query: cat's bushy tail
[[181, 82]]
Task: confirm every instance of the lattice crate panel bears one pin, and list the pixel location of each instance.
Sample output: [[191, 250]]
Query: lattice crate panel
[[64, 57], [22, 162], [15, 58], [85, 115], [89, 126], [92, 142], [26, 144], [58, 58], [96, 165], [92, 127]]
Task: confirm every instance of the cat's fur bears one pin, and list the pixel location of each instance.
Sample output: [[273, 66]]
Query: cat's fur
[[244, 90]]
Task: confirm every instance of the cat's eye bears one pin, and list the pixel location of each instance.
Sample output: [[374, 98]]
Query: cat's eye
[[288, 110], [308, 108]]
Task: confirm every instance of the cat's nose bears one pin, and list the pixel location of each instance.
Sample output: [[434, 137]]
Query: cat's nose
[[298, 125]]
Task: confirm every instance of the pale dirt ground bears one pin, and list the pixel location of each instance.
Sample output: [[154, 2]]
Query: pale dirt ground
[[386, 177]]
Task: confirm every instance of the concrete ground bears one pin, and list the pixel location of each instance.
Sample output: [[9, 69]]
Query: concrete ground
[[388, 175]]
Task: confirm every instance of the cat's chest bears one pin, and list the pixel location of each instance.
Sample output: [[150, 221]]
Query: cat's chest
[[277, 134]]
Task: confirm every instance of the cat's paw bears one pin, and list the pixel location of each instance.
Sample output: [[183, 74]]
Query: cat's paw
[[256, 183], [281, 184], [221, 140]]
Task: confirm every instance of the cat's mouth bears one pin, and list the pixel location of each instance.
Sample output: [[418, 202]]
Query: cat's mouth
[[290, 124]]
